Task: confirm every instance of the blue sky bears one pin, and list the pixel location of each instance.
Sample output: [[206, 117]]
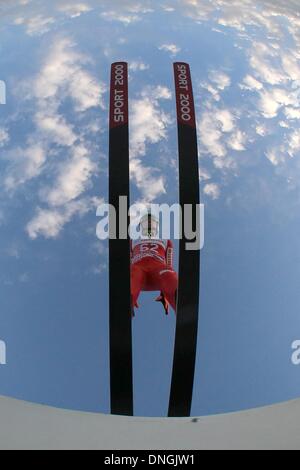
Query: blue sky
[[55, 60]]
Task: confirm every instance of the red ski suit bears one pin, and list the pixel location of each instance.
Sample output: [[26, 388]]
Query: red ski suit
[[152, 269]]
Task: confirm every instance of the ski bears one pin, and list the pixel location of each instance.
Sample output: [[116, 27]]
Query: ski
[[120, 329], [189, 261]]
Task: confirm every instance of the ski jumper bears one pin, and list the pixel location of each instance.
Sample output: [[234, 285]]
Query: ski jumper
[[152, 269]]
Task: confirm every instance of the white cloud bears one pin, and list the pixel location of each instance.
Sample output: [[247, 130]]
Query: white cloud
[[85, 91], [212, 190], [4, 137], [69, 170], [204, 174], [50, 222], [157, 93], [294, 143], [272, 100], [171, 48], [283, 124], [262, 130], [63, 74], [275, 156], [149, 125], [127, 11], [213, 91], [250, 83], [125, 18], [99, 269], [36, 25], [220, 79], [138, 66], [268, 105], [72, 180], [210, 135], [237, 141], [241, 16], [290, 63], [227, 120], [198, 10], [219, 134], [47, 223], [55, 128], [148, 121], [263, 65], [25, 164], [75, 10], [147, 179], [291, 113], [168, 8]]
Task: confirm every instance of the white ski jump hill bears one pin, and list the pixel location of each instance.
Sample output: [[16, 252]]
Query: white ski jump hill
[[35, 427]]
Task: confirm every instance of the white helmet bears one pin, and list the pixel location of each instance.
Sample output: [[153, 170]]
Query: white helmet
[[149, 225]]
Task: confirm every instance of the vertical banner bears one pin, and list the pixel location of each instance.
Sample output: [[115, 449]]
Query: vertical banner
[[189, 259], [119, 248]]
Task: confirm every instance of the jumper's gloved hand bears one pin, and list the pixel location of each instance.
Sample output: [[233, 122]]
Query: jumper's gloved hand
[[161, 298]]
